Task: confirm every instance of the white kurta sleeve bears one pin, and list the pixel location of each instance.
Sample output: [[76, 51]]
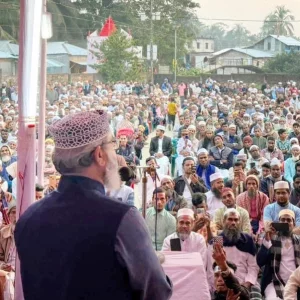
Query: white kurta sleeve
[[291, 288], [166, 245], [253, 269]]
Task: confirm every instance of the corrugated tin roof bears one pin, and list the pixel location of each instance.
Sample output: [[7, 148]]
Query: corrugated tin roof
[[287, 40], [4, 55], [65, 48], [8, 47], [52, 63], [251, 52]]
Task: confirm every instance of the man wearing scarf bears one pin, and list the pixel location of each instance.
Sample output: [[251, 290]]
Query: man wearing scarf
[[204, 168], [239, 248], [280, 255], [254, 202]]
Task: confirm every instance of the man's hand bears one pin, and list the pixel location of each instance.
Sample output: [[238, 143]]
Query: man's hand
[[219, 255], [232, 296], [7, 268], [194, 178], [247, 285], [270, 233]]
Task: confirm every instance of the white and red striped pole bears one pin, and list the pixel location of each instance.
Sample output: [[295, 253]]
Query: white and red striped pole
[[28, 70]]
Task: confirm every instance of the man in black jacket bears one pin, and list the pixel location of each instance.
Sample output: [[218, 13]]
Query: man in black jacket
[[161, 149], [189, 183]]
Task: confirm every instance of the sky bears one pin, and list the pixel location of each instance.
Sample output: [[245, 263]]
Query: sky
[[246, 10]]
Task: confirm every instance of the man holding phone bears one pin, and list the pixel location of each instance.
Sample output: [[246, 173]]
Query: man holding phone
[[280, 254], [184, 236]]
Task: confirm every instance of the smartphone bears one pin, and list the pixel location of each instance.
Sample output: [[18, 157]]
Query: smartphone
[[194, 169], [175, 244], [252, 165], [281, 227], [217, 240]]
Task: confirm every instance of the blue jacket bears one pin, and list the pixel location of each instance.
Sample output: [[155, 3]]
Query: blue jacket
[[210, 169]]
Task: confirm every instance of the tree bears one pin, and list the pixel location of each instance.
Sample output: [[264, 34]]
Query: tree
[[118, 62], [238, 36], [284, 63], [279, 22]]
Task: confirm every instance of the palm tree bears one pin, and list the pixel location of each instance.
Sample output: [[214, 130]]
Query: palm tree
[[279, 22]]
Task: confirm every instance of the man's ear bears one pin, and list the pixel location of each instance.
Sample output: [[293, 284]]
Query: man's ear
[[99, 156]]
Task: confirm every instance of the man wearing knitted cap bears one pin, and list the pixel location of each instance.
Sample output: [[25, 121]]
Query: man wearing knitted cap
[[282, 194], [279, 255], [78, 229], [190, 241], [254, 202]]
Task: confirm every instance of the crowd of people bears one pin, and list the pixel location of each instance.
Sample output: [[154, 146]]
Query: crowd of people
[[222, 162]]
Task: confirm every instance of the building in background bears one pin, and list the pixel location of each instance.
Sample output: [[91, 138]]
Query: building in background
[[238, 61], [198, 52], [277, 44]]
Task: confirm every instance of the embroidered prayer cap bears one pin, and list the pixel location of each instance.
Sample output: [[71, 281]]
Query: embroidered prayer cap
[[202, 151], [162, 128], [295, 147], [287, 212], [241, 157], [232, 126], [281, 185], [80, 129], [253, 147], [294, 140], [192, 127], [215, 176], [166, 177], [275, 162], [185, 212], [202, 123]]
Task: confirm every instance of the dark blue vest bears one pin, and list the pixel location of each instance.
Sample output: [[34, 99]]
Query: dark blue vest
[[66, 245]]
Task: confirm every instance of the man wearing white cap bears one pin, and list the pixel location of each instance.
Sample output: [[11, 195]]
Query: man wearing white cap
[[205, 168], [280, 256], [78, 229], [282, 194], [161, 149], [267, 184], [232, 140], [214, 196], [190, 241], [255, 162]]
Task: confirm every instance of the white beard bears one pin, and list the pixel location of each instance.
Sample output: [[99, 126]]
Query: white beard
[[112, 180], [5, 158], [295, 158]]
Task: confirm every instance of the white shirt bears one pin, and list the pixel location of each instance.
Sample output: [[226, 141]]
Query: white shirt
[[160, 142], [194, 243], [187, 194], [247, 268], [213, 203]]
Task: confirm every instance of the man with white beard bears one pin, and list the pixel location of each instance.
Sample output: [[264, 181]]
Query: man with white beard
[[77, 229], [190, 241]]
